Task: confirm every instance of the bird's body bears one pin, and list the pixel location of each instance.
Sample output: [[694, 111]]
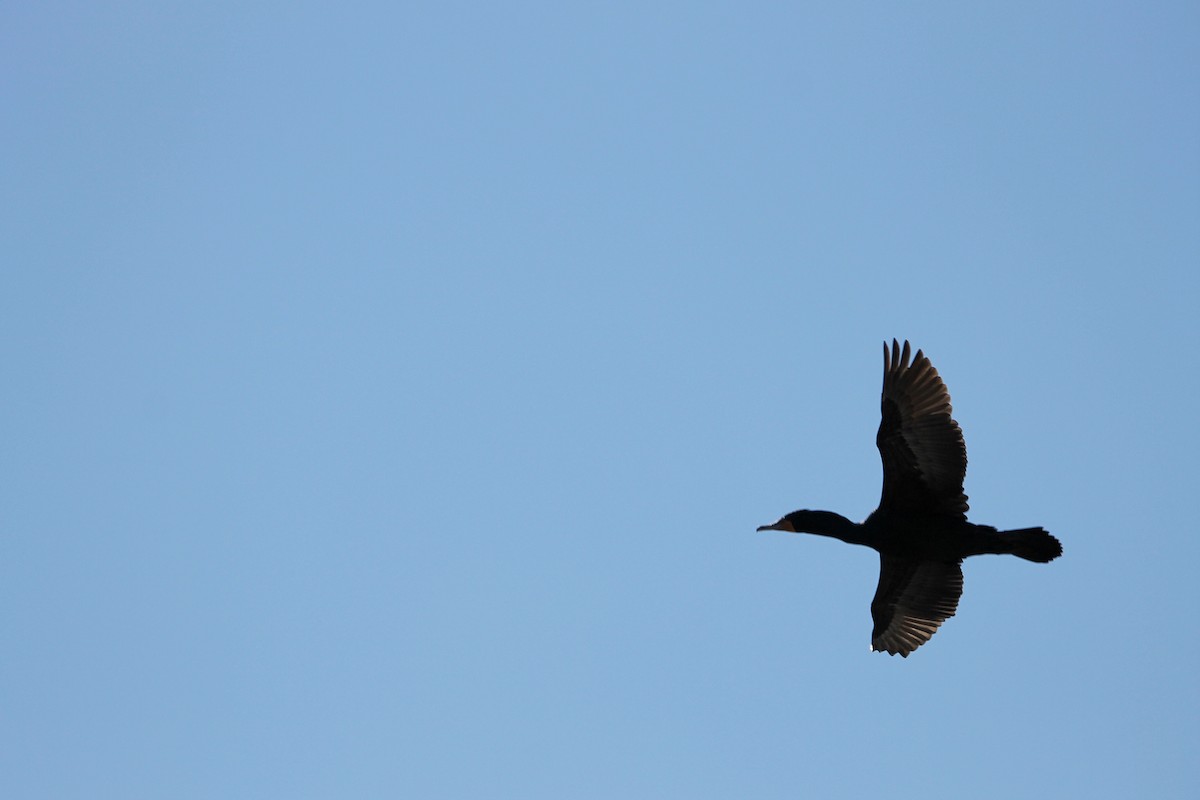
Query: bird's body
[[920, 528]]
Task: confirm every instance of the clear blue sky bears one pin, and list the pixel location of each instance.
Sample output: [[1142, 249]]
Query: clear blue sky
[[391, 393]]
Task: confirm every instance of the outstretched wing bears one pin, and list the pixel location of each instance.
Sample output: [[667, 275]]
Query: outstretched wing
[[924, 457], [914, 597]]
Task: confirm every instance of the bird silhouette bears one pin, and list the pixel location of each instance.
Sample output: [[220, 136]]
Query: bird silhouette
[[920, 528]]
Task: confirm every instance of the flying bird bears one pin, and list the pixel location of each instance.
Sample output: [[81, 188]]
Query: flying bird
[[920, 528]]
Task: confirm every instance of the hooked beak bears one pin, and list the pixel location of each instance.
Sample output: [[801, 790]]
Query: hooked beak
[[782, 525]]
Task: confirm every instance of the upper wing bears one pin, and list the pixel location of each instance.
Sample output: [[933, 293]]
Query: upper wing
[[914, 597], [924, 457]]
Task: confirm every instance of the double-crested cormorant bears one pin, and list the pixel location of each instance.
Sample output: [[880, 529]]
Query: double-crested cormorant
[[920, 528]]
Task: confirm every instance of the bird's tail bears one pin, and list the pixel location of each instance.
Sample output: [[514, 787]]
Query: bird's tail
[[1032, 544]]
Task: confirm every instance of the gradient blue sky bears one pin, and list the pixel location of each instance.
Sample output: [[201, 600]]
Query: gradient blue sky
[[392, 392]]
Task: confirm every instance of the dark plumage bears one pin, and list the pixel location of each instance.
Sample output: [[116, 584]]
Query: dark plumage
[[920, 528]]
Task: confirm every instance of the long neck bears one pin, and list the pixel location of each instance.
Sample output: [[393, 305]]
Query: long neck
[[827, 523]]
